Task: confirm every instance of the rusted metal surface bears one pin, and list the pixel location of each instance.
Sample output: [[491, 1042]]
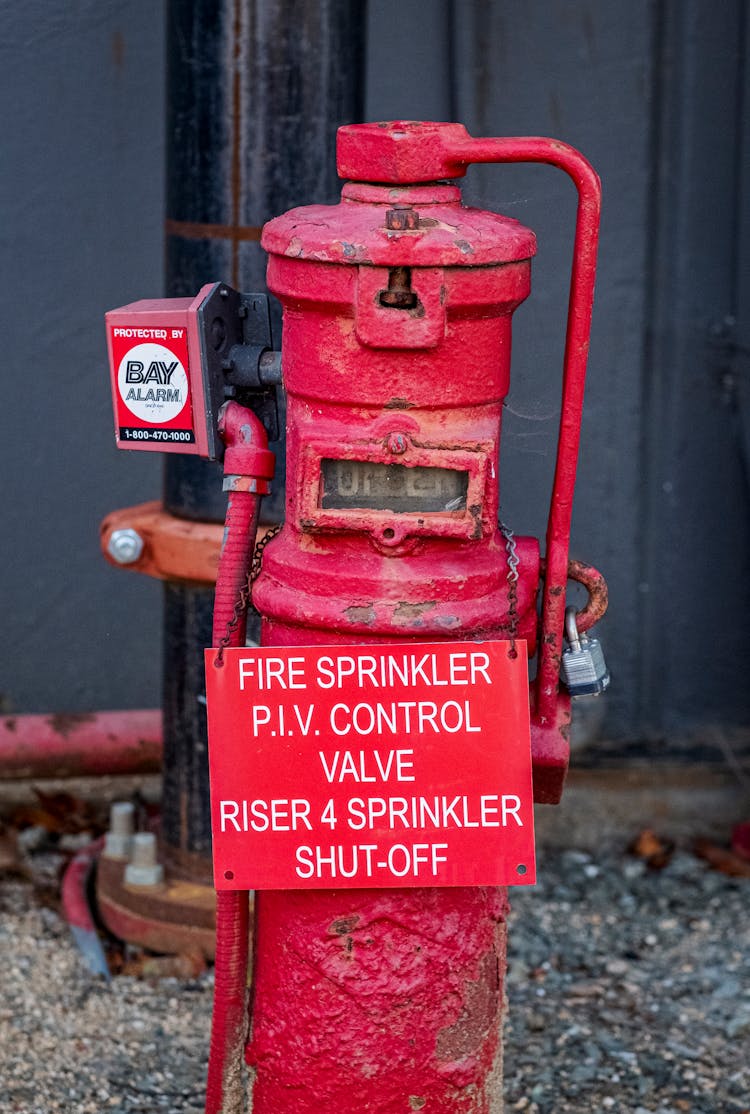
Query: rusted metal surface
[[185, 865], [176, 549], [399, 294], [80, 744], [195, 230], [596, 586], [446, 234], [177, 916]]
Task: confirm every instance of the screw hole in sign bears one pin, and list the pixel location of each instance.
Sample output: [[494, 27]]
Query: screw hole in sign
[[521, 869], [388, 532], [229, 874]]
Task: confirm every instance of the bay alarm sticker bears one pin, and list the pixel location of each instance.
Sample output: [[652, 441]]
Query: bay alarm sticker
[[152, 383], [370, 766]]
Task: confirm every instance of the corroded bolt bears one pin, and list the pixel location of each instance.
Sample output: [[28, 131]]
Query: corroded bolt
[[399, 294], [143, 868], [119, 839], [125, 546], [396, 443], [402, 218]]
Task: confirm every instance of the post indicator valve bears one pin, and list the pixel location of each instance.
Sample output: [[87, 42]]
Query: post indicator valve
[[174, 362]]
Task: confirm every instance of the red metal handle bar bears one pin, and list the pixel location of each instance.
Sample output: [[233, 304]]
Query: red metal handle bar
[[596, 586], [580, 302]]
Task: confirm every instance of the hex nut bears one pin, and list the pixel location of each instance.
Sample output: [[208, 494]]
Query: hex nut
[[118, 841], [143, 868], [125, 546]]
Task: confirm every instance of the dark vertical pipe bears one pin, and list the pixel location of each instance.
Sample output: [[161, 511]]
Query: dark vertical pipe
[[256, 91]]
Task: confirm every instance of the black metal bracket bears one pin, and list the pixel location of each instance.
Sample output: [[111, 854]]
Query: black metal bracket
[[237, 359]]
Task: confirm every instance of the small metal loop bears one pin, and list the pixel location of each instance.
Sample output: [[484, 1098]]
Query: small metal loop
[[571, 628], [596, 586], [257, 561]]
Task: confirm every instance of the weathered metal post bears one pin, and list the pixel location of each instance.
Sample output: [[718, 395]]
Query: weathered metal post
[[256, 89]]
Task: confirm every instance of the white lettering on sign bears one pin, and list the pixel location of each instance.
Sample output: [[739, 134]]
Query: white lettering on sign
[[143, 334], [404, 715], [395, 765], [259, 816], [418, 860], [340, 766], [403, 670], [265, 673], [487, 811]]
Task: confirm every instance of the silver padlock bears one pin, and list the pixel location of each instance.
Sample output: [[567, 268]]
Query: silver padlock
[[583, 668]]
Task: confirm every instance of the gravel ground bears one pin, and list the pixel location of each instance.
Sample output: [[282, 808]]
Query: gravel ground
[[629, 991]]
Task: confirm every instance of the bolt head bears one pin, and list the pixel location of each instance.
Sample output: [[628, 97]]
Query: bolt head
[[397, 443], [125, 546]]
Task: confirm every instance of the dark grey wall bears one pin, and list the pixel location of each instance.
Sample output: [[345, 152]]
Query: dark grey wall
[[652, 92], [81, 229], [656, 95]]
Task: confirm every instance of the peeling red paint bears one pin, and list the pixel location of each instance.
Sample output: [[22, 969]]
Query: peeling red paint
[[364, 614], [409, 1009], [408, 612], [64, 723]]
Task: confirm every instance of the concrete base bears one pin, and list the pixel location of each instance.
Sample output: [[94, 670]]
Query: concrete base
[[607, 807]]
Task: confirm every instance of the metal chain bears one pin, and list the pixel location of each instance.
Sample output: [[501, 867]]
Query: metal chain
[[510, 549], [245, 598], [257, 561]]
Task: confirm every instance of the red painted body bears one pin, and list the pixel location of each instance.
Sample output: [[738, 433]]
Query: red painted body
[[379, 1000]]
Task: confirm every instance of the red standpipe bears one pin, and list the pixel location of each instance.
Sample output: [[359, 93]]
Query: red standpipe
[[248, 465]]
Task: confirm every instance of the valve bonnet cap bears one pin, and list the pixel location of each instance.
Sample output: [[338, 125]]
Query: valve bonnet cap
[[398, 151]]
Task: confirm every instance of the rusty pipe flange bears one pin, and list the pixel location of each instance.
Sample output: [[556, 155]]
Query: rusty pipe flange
[[171, 548], [172, 917]]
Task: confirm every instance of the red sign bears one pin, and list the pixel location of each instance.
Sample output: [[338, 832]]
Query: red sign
[[370, 766], [151, 383]]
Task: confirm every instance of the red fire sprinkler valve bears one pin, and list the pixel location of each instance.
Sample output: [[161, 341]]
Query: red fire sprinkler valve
[[396, 362], [397, 327]]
